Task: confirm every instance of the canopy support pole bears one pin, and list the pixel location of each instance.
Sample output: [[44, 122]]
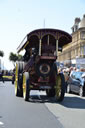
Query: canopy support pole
[[40, 47], [57, 47]]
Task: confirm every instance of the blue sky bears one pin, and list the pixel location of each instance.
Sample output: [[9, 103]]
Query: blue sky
[[19, 17]]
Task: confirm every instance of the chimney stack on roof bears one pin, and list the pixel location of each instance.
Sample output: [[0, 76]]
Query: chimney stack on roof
[[84, 16], [77, 20], [76, 24]]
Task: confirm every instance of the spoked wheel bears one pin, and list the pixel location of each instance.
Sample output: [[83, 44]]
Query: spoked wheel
[[59, 87], [18, 80], [81, 91], [26, 89]]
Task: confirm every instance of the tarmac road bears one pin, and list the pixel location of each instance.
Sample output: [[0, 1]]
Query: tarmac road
[[40, 112], [16, 113]]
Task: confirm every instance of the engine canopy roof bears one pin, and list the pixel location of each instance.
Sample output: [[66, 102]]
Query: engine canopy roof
[[32, 38]]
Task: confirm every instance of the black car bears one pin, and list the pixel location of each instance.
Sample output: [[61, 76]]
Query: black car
[[76, 83]]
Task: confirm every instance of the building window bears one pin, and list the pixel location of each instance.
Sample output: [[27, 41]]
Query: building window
[[76, 52], [83, 35], [84, 50]]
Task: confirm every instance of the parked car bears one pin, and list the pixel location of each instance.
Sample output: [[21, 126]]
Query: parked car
[[76, 83]]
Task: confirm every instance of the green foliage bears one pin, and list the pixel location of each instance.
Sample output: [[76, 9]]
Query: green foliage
[[1, 53], [14, 57], [19, 57]]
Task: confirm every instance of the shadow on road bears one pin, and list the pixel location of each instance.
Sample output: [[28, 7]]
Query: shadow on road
[[74, 102], [69, 102], [0, 116]]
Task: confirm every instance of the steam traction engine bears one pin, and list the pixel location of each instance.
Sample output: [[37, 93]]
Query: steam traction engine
[[38, 69]]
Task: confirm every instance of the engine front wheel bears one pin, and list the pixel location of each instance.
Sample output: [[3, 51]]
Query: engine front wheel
[[59, 87]]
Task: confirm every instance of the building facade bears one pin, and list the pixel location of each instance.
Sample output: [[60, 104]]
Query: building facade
[[73, 54]]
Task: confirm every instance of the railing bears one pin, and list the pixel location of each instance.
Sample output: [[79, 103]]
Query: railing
[[22, 44]]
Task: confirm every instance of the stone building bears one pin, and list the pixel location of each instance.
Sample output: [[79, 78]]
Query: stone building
[[73, 54]]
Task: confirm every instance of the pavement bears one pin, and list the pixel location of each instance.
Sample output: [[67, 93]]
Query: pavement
[[71, 112]]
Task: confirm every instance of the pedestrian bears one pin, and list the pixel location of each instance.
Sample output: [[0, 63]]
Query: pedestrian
[[66, 75]]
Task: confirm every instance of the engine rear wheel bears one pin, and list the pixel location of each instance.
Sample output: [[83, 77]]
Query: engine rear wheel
[[59, 87], [26, 90], [18, 79]]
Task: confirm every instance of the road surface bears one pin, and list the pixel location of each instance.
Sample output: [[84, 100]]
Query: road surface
[[40, 112]]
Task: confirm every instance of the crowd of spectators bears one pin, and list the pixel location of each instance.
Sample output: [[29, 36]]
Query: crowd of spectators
[[68, 71]]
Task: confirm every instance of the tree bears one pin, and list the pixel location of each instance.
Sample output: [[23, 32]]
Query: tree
[[1, 53], [14, 57], [19, 57]]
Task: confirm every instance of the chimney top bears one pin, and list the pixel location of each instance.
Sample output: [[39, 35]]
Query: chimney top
[[77, 20], [84, 16]]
